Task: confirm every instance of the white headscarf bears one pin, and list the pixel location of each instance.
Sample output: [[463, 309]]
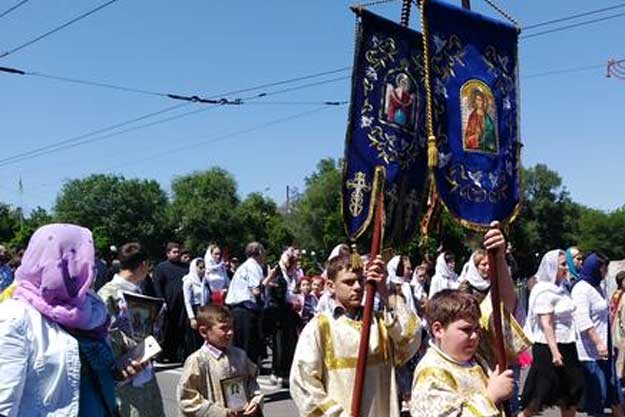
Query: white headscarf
[[444, 277], [193, 276], [472, 275], [546, 283], [337, 251], [394, 279]]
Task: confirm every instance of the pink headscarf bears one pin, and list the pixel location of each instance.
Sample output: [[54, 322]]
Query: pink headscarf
[[55, 278]]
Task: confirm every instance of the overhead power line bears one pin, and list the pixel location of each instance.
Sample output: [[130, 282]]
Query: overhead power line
[[56, 29], [16, 6], [174, 96], [563, 71], [87, 138], [572, 17], [571, 26]]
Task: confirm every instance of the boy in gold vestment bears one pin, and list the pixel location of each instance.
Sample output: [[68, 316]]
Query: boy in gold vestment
[[448, 381], [324, 366]]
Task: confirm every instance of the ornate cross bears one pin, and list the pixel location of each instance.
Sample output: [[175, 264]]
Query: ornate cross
[[359, 185]]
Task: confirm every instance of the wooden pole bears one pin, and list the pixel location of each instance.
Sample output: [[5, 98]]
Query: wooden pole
[[493, 273], [361, 365]]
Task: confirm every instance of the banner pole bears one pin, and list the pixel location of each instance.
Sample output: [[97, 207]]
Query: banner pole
[[361, 365]]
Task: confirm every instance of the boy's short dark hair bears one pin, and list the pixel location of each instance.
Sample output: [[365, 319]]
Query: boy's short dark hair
[[448, 306], [341, 263], [131, 256], [620, 276], [172, 245], [211, 315]]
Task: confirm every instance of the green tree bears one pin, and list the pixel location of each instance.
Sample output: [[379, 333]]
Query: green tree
[[203, 210], [549, 218], [260, 220], [30, 224], [117, 210], [603, 232], [9, 222], [316, 220]]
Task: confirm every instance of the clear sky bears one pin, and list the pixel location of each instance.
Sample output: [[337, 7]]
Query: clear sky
[[573, 122]]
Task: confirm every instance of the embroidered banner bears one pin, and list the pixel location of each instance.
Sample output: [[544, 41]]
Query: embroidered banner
[[385, 141], [474, 79]]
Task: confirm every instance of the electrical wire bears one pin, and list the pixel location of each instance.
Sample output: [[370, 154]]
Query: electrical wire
[[87, 138], [56, 29], [572, 17], [563, 71], [574, 25], [10, 9]]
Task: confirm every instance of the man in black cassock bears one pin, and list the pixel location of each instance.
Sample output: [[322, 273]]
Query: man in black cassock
[[168, 285]]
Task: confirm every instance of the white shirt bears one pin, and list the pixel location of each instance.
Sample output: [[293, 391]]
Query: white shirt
[[561, 305], [440, 283], [591, 311], [39, 365], [217, 276], [247, 277], [192, 292]]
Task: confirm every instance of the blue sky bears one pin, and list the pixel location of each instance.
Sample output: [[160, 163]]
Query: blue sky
[[572, 122]]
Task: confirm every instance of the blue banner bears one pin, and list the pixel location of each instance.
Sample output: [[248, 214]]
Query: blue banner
[[385, 141], [475, 105]]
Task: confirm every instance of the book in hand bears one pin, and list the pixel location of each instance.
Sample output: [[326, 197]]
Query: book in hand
[[143, 312], [141, 353]]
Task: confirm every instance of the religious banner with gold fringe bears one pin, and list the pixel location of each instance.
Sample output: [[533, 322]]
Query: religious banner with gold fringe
[[473, 114], [385, 141]]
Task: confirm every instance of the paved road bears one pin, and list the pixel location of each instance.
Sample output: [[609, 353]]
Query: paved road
[[277, 401]]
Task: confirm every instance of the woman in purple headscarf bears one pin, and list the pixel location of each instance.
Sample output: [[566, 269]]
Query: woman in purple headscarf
[[55, 359]]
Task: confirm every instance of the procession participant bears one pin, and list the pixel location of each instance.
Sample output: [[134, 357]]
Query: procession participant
[[244, 300], [602, 388], [192, 290], [555, 377], [307, 300], [617, 320], [168, 285], [317, 285], [55, 357], [280, 310], [324, 367], [574, 261], [218, 377], [448, 380], [141, 396], [444, 275], [398, 284], [6, 273], [216, 275]]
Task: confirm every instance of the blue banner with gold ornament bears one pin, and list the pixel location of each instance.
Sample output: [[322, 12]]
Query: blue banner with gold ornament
[[385, 141], [475, 105]]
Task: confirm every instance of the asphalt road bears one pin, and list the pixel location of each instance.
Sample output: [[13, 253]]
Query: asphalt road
[[277, 401]]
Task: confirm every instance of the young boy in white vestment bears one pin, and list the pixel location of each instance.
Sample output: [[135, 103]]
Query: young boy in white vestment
[[324, 366], [448, 380], [218, 380]]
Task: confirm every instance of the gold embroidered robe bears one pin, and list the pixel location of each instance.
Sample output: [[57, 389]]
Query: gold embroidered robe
[[443, 387], [199, 391], [324, 366]]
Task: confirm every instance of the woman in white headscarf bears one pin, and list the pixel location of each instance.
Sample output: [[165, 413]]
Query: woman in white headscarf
[[556, 376], [399, 284], [216, 278], [445, 278], [192, 290]]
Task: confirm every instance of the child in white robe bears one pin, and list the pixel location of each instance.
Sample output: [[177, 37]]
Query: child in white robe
[[324, 367]]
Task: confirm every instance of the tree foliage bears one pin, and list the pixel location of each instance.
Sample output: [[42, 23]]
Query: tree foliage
[[117, 210], [316, 220]]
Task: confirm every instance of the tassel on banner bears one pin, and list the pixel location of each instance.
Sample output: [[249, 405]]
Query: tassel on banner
[[432, 152]]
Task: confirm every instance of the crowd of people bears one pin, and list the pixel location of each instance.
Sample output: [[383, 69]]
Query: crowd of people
[[67, 337]]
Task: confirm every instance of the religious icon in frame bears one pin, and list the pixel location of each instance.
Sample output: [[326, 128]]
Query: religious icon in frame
[[235, 392], [400, 101], [479, 118]]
